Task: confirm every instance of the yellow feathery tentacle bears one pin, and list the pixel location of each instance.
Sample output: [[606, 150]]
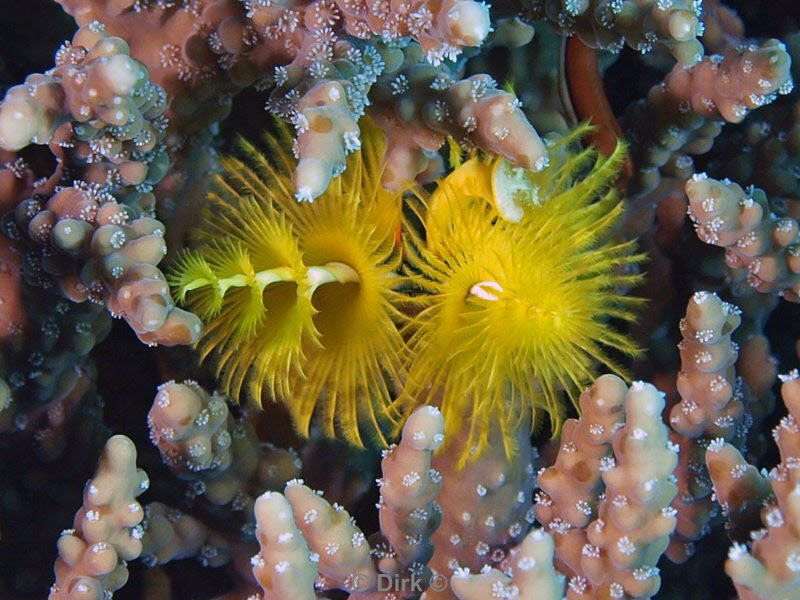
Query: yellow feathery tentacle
[[303, 299], [192, 273], [518, 290]]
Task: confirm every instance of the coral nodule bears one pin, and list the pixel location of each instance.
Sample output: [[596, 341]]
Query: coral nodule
[[300, 299], [521, 274]]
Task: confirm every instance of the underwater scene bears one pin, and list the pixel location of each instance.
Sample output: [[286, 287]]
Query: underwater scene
[[399, 299]]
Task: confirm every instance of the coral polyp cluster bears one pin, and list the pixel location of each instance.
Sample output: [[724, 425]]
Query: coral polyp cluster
[[517, 311], [300, 299]]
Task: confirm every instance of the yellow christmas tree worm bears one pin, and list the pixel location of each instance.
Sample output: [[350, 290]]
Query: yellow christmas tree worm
[[520, 278], [300, 299]]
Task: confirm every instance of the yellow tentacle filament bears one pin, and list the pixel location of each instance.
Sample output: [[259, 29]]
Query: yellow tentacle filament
[[301, 300]]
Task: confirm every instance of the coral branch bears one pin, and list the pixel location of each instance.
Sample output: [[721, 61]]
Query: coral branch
[[106, 531], [531, 574], [759, 246], [284, 566], [770, 568]]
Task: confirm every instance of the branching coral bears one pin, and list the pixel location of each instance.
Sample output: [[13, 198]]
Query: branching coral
[[713, 404], [570, 487], [103, 121], [531, 574], [682, 116], [310, 539], [106, 533], [220, 457], [615, 555], [761, 247], [487, 507], [206, 50], [45, 367], [641, 24], [770, 571]]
